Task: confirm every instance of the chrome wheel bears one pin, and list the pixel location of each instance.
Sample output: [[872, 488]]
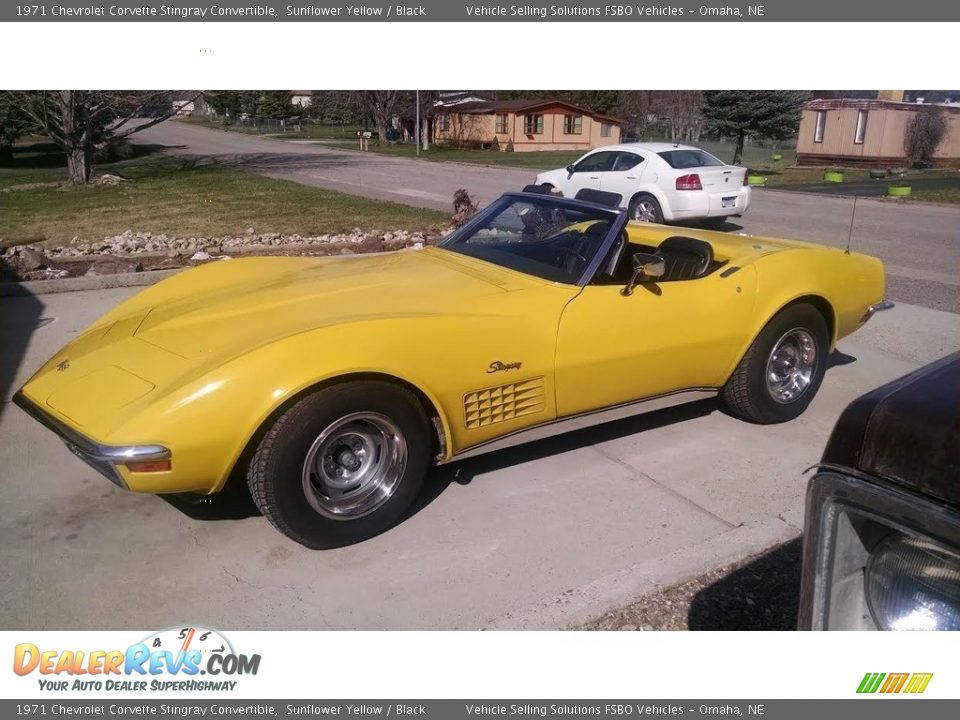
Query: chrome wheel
[[791, 366], [645, 211], [354, 466]]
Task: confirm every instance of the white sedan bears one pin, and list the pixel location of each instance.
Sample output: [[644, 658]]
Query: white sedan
[[658, 182]]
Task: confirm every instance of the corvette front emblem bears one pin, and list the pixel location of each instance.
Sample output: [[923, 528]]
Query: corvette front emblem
[[63, 366]]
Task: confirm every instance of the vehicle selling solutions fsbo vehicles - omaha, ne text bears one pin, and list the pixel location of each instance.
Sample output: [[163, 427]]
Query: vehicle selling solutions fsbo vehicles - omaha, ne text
[[658, 182], [334, 383]]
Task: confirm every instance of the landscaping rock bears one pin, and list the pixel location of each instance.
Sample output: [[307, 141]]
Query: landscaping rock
[[32, 259], [114, 266]]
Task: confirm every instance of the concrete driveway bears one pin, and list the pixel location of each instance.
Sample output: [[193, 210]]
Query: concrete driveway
[[541, 536], [919, 243]]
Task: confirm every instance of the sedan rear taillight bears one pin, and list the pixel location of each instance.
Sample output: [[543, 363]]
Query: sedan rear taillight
[[689, 182]]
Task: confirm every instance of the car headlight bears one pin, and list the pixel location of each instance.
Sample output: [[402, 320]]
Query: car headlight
[[876, 556], [913, 584]]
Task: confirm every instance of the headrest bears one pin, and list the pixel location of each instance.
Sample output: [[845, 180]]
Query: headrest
[[599, 197], [537, 189], [692, 246]]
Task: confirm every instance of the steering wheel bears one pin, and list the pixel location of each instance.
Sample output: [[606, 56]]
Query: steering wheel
[[571, 251]]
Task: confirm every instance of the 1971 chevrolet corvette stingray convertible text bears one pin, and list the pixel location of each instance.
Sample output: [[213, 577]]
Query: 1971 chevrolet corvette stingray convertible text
[[336, 383]]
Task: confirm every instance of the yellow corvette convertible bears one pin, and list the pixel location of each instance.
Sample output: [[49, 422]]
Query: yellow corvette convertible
[[335, 383]]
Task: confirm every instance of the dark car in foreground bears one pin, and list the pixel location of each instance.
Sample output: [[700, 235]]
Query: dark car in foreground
[[882, 531]]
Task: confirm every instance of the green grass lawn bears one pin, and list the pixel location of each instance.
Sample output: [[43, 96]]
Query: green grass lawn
[[179, 198], [942, 195]]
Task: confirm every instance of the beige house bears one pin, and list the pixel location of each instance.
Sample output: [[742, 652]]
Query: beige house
[[867, 132], [525, 125]]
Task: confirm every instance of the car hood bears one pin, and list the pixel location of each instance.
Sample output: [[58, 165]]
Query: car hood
[[256, 301], [182, 328]]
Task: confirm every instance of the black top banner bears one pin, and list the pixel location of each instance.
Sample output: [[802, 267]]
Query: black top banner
[[447, 11]]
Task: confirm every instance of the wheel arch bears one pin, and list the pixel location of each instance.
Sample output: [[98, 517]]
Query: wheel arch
[[657, 195], [819, 302], [428, 402]]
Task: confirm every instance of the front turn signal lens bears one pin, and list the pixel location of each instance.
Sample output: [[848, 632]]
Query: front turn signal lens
[[148, 466]]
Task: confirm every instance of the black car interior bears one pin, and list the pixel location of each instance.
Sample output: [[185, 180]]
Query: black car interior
[[685, 258]]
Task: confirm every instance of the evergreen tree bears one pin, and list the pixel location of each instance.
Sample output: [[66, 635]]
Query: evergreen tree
[[761, 114]]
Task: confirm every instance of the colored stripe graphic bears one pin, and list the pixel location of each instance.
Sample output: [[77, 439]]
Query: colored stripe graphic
[[914, 683], [894, 683], [870, 682], [918, 682]]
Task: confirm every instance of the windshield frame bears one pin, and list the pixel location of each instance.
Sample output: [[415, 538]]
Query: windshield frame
[[618, 221]]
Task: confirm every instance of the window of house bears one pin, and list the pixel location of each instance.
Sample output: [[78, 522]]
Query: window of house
[[533, 124], [572, 124], [606, 129], [501, 123], [861, 132], [444, 123], [821, 124]]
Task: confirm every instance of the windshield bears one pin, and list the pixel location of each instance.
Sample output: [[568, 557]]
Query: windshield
[[684, 159], [552, 240]]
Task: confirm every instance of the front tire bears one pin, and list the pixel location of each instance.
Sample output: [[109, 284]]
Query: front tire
[[645, 208], [782, 370], [343, 464]]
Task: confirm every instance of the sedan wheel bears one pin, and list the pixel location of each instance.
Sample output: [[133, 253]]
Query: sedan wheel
[[645, 208], [342, 464]]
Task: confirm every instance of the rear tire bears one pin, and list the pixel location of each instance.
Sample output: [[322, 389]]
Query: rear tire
[[343, 464], [645, 208], [782, 370]]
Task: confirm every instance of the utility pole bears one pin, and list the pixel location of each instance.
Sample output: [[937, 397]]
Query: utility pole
[[417, 133]]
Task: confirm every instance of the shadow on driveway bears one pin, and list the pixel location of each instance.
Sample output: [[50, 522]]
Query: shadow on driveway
[[761, 595], [20, 317]]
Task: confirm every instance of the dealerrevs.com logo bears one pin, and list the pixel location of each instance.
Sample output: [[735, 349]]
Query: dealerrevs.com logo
[[889, 683], [169, 660]]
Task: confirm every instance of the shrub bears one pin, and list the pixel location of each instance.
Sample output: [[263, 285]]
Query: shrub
[[925, 132]]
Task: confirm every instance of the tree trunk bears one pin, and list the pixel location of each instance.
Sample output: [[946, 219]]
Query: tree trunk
[[425, 133], [381, 130], [6, 153], [78, 165], [738, 153]]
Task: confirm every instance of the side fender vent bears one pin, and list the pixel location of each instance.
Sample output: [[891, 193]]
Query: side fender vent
[[502, 403]]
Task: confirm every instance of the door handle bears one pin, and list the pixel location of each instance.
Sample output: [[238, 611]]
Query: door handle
[[631, 177], [594, 177]]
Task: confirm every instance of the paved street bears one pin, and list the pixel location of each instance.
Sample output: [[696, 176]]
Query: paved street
[[919, 243], [543, 536]]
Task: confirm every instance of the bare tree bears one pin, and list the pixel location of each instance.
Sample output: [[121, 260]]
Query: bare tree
[[83, 121], [680, 112], [382, 106]]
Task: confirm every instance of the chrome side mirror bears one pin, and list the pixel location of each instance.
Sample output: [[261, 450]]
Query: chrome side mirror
[[646, 267]]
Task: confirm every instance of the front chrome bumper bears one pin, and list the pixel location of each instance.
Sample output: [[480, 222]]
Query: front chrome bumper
[[874, 309], [102, 458]]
